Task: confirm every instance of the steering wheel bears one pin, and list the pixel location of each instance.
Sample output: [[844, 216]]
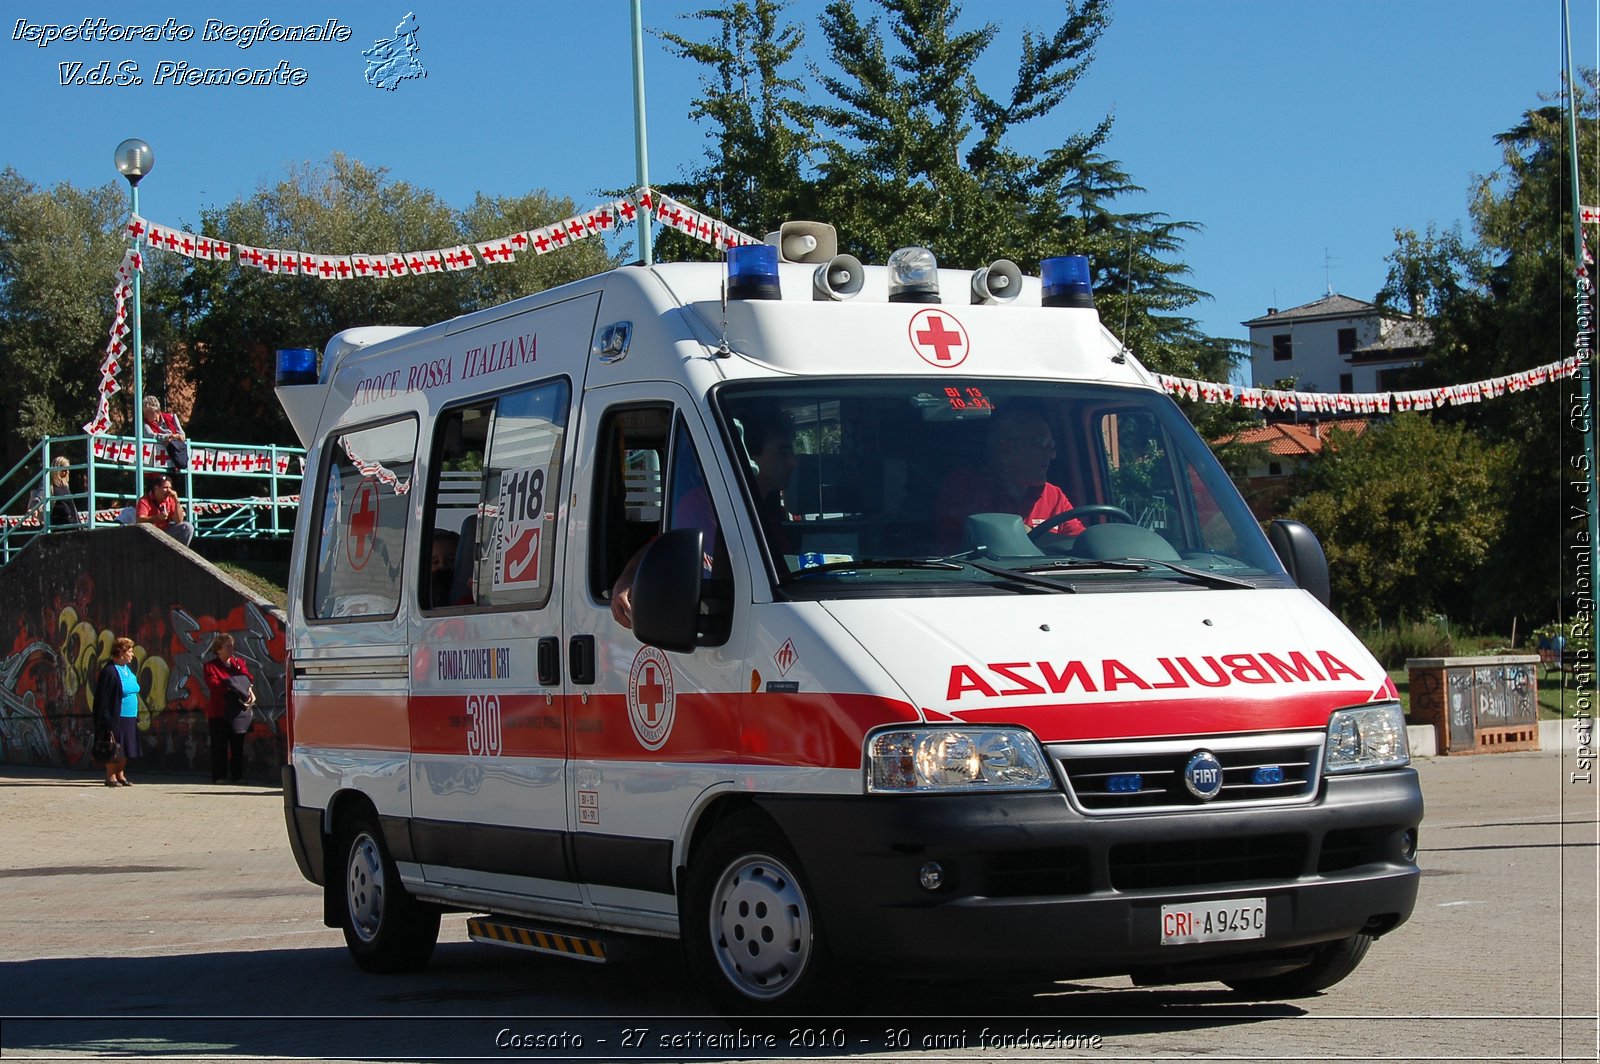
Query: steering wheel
[[1043, 528]]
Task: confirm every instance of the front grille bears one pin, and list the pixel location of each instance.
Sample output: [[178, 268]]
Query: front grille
[[1116, 777], [1180, 863]]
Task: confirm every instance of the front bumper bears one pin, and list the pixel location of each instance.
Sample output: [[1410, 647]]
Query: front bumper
[[1031, 885]]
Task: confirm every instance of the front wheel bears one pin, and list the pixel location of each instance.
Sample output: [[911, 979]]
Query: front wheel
[[386, 929], [1332, 963], [750, 926]]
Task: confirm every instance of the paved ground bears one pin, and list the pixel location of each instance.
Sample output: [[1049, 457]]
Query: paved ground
[[168, 920]]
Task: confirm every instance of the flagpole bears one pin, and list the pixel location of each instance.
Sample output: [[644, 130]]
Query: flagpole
[[642, 167], [1585, 317], [134, 159]]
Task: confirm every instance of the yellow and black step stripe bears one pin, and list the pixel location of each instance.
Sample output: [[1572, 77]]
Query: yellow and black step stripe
[[518, 936]]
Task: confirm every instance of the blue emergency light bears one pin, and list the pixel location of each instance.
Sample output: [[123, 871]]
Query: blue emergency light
[[1125, 783], [296, 365], [1267, 774], [753, 272], [1065, 282]]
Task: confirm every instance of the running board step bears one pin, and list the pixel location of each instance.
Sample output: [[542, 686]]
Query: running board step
[[501, 931]]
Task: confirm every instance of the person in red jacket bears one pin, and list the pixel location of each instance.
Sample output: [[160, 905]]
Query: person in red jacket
[[226, 709]]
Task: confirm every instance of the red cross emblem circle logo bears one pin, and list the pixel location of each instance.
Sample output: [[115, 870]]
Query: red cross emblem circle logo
[[650, 698], [363, 530], [938, 338]]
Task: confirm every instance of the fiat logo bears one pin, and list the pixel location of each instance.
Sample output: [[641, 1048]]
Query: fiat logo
[[1203, 775]]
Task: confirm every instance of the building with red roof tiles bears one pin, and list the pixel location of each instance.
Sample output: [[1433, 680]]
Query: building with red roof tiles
[[1284, 449]]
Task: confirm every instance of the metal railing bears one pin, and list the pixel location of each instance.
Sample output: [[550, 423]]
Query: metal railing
[[215, 490]]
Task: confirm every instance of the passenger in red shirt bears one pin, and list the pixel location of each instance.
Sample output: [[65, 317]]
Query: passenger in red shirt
[[160, 507], [1014, 481]]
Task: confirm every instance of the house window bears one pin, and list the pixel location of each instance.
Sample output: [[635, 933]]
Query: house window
[[1347, 382], [1347, 341], [1274, 469], [1282, 347]]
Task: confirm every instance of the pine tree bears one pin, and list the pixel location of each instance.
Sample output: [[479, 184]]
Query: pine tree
[[903, 146]]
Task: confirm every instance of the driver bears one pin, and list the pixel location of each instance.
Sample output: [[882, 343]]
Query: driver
[[1017, 457]]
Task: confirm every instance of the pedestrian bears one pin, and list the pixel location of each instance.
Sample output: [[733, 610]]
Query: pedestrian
[[63, 510], [116, 710], [230, 708]]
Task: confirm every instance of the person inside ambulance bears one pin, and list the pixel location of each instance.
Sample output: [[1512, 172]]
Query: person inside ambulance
[[690, 507], [442, 566], [769, 441], [1014, 480]]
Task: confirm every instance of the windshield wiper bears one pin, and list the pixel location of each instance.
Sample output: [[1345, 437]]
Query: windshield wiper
[[1021, 576], [1143, 565], [873, 563]]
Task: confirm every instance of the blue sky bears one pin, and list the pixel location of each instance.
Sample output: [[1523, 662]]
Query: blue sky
[[1299, 135]]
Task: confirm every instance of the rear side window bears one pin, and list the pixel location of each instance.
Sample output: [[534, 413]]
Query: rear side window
[[493, 500], [361, 522]]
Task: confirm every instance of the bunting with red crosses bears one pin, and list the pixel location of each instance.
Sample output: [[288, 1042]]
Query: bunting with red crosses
[[1278, 401], [598, 220], [111, 364]]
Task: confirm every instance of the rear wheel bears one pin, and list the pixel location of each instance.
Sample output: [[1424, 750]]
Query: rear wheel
[[1332, 963], [750, 926], [386, 929]]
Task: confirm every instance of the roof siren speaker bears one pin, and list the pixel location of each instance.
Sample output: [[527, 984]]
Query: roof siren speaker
[[998, 282], [839, 278], [812, 242]]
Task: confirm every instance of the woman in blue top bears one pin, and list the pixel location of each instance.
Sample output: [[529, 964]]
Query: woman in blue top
[[116, 708]]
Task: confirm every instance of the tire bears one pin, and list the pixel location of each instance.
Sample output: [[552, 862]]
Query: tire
[[750, 926], [385, 928], [1332, 963]]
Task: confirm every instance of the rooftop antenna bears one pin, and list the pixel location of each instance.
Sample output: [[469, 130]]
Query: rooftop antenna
[[1127, 307], [1327, 268]]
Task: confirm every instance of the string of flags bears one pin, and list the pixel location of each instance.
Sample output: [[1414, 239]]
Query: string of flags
[[123, 449], [111, 364], [1277, 400], [601, 218], [113, 514]]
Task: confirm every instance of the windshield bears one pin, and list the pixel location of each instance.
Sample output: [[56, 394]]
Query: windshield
[[980, 484]]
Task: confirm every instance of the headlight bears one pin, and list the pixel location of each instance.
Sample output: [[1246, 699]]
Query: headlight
[[1366, 737], [940, 760]]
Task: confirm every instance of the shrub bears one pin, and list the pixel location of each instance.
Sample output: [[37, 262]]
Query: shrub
[[1393, 644]]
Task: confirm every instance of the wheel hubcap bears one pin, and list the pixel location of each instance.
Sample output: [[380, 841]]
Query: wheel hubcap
[[364, 887], [760, 927]]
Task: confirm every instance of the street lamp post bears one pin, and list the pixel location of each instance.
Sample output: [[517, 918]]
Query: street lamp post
[[134, 160]]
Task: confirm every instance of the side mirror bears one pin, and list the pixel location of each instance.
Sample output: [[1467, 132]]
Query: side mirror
[[666, 591], [1302, 556]]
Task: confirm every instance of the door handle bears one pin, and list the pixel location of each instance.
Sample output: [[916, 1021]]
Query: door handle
[[581, 659], [549, 661]]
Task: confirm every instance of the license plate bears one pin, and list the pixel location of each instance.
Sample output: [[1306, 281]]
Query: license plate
[[1213, 921]]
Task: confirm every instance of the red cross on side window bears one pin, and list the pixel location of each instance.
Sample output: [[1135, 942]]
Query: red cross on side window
[[363, 524]]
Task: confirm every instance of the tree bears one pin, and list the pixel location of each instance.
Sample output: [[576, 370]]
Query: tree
[[1408, 512], [1500, 302], [907, 148], [59, 250]]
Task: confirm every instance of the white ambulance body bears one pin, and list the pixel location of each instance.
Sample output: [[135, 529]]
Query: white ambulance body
[[871, 717]]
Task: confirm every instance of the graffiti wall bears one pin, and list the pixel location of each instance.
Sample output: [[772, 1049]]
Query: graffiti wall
[[69, 595]]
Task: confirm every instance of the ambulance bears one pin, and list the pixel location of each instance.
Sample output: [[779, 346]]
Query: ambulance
[[827, 619]]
